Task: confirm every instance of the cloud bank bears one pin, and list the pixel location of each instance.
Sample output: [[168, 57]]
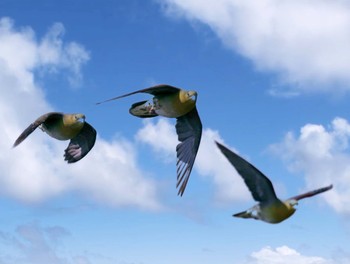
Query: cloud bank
[[306, 43], [35, 171], [322, 155]]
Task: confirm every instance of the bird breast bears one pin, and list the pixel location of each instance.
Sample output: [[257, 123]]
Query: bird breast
[[276, 213]]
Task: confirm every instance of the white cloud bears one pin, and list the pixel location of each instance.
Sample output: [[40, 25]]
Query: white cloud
[[161, 136], [116, 179], [210, 163], [56, 55], [305, 42], [20, 52], [35, 170], [322, 154], [284, 255]]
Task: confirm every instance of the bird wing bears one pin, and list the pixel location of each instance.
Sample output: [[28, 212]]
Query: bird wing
[[142, 109], [311, 193], [154, 90], [258, 184], [189, 131], [80, 145], [34, 125]]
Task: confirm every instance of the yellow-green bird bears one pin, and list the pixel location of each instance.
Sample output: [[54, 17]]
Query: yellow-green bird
[[269, 209], [62, 126], [173, 102]]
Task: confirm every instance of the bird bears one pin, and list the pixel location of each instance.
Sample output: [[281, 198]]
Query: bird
[[269, 209], [172, 102], [63, 126]]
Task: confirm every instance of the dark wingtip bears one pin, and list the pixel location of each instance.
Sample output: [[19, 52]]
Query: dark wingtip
[[17, 142], [98, 103], [108, 100], [218, 144], [181, 189], [312, 193], [222, 148], [180, 192], [327, 188]]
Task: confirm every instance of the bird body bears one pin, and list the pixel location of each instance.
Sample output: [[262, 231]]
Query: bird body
[[61, 126], [272, 213], [270, 209], [172, 102], [276, 212], [174, 105]]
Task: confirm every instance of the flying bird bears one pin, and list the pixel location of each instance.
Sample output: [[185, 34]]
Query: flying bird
[[173, 102], [269, 209], [64, 127]]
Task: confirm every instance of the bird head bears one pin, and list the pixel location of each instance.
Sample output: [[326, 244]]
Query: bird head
[[188, 96], [74, 120], [191, 95], [291, 203], [79, 117]]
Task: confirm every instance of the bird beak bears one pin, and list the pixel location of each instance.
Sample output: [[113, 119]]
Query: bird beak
[[294, 202], [81, 118], [193, 95]]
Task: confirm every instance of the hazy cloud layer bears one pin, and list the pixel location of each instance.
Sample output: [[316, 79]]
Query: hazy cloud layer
[[305, 42], [35, 170], [322, 155], [34, 244]]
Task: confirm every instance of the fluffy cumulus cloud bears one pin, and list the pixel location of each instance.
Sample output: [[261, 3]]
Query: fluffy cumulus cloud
[[322, 155], [209, 164], [35, 170], [284, 255], [161, 136], [55, 55], [305, 42]]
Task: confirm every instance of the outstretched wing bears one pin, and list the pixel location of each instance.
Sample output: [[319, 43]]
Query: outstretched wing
[[189, 131], [34, 125], [154, 90], [80, 145], [311, 193], [258, 184]]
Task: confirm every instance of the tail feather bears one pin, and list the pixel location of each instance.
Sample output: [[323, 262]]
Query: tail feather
[[244, 214]]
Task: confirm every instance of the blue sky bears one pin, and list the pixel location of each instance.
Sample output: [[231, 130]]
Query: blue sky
[[273, 84]]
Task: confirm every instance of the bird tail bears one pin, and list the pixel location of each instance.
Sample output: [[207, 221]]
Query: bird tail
[[244, 214], [143, 109]]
